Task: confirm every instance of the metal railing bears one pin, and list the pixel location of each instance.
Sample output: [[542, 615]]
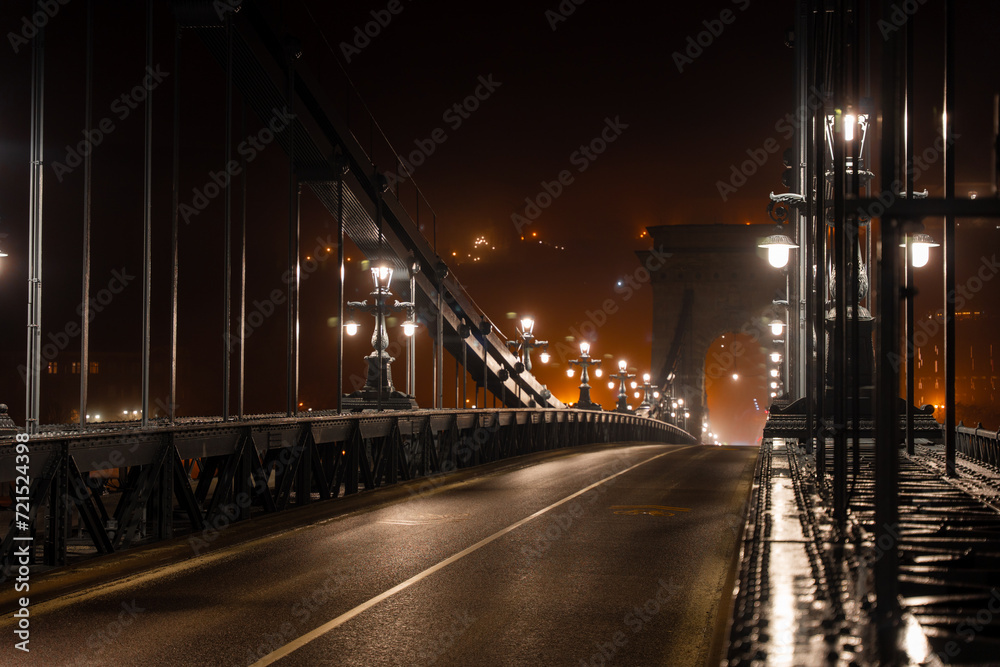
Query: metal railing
[[103, 491], [978, 444]]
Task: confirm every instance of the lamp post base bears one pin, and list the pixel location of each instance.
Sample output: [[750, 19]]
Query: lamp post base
[[369, 400], [7, 425], [587, 406], [372, 396]]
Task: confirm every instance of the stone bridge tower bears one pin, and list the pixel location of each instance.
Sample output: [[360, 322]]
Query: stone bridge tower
[[715, 280]]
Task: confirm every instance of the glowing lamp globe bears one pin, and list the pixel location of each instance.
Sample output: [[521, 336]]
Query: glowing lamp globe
[[382, 275], [777, 246], [921, 249]]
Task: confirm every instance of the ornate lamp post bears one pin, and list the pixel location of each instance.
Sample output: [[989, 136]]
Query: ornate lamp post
[[585, 362], [378, 392], [524, 346], [647, 392], [622, 376]]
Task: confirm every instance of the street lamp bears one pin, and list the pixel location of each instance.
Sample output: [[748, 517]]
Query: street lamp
[[378, 391], [585, 362], [528, 343], [622, 376], [647, 392], [920, 249], [524, 346], [778, 247], [777, 326]]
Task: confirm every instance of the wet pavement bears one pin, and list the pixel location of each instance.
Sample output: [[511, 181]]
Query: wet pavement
[[804, 592], [788, 609]]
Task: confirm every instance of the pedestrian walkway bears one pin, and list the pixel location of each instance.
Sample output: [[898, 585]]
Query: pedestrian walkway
[[804, 590]]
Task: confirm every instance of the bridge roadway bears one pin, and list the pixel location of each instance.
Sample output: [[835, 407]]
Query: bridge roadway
[[617, 554]]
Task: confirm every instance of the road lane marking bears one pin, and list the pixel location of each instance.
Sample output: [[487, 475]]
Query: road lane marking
[[295, 645], [648, 510], [426, 519]]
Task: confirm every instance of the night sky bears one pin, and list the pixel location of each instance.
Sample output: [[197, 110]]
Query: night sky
[[675, 126]]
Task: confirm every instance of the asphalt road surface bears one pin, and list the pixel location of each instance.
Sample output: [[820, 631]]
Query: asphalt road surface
[[616, 555]]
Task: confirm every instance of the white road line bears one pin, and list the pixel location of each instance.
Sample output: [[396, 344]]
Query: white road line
[[364, 606]]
